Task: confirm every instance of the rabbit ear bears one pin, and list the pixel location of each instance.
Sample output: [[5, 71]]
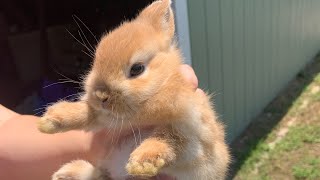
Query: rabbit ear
[[159, 14]]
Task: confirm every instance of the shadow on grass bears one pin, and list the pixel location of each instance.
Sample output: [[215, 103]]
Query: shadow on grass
[[259, 129]]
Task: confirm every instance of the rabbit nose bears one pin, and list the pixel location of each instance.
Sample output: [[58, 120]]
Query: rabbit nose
[[103, 96]]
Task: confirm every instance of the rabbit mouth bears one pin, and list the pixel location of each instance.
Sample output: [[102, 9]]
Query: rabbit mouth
[[107, 101]]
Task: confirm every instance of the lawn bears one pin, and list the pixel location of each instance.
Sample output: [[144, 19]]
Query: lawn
[[284, 141]]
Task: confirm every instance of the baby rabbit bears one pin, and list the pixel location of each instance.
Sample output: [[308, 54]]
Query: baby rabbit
[[135, 84]]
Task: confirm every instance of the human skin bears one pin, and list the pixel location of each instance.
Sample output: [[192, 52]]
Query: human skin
[[25, 153]]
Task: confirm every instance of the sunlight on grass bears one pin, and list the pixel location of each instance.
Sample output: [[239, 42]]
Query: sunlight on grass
[[299, 135], [261, 158], [307, 169], [287, 151]]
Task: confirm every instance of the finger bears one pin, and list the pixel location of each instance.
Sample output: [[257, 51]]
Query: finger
[[201, 92], [189, 75]]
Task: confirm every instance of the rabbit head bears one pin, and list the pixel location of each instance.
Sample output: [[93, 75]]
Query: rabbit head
[[134, 62]]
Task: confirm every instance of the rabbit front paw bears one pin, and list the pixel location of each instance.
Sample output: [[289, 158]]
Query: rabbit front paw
[[64, 116], [59, 117], [147, 162], [49, 125], [147, 168]]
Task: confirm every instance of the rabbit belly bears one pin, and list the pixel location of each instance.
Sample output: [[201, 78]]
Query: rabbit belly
[[116, 160]]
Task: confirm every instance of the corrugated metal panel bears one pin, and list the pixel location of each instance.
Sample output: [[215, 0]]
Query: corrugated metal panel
[[246, 51]]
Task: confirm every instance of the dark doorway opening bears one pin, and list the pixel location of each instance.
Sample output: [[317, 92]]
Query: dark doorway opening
[[37, 51]]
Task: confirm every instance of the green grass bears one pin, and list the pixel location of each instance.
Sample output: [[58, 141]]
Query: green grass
[[307, 169], [298, 136], [293, 156]]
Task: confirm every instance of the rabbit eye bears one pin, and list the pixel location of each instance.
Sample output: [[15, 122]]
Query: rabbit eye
[[136, 69]]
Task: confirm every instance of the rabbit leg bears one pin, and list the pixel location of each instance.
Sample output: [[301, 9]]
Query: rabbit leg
[[80, 170], [64, 116], [156, 152]]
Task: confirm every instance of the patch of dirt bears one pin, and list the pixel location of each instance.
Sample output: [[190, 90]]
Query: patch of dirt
[[315, 89]]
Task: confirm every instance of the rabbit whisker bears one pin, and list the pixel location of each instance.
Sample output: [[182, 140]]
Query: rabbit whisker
[[92, 48], [91, 52], [87, 28], [134, 134]]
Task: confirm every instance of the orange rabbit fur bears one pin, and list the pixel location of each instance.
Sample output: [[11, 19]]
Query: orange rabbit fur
[[134, 84]]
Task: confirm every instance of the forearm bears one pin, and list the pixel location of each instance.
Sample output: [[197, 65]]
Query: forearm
[[25, 153], [6, 114]]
